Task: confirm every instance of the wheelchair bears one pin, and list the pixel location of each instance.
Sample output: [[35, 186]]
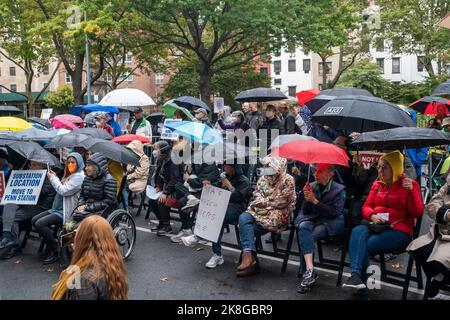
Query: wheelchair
[[122, 224]]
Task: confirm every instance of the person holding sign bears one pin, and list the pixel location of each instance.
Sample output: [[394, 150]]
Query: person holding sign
[[202, 116], [270, 210], [394, 200], [234, 180], [67, 193], [14, 213]]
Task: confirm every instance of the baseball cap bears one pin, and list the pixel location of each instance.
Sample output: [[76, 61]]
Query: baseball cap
[[202, 110]]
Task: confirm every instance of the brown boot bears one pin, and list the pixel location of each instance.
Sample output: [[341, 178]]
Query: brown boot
[[250, 270], [246, 260]]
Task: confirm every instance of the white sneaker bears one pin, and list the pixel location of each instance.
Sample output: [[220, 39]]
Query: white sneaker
[[191, 240], [191, 203], [214, 261], [183, 233]]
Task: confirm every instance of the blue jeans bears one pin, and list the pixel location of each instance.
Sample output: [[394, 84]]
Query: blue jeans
[[248, 230], [363, 244], [125, 195], [231, 217], [308, 233]]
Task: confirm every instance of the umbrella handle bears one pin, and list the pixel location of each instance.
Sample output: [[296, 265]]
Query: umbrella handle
[[309, 171]]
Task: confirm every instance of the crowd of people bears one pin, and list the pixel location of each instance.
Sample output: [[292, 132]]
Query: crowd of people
[[265, 197]]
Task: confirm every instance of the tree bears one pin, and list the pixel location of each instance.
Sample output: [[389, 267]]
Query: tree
[[326, 27], [409, 26], [365, 75], [211, 32], [61, 98], [225, 84], [31, 52]]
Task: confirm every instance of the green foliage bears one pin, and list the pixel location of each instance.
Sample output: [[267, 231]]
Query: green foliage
[[61, 98]]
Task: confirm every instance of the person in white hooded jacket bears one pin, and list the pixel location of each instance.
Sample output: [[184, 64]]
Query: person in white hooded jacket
[[67, 193]]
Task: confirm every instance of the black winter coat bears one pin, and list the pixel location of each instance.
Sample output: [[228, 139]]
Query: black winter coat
[[240, 193], [166, 176], [204, 171], [98, 193]]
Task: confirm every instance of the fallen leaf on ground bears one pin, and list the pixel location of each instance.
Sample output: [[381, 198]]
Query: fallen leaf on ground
[[18, 262], [199, 249], [397, 266], [164, 279], [50, 270]]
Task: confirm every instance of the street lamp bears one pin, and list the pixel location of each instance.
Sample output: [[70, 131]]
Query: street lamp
[[88, 66]]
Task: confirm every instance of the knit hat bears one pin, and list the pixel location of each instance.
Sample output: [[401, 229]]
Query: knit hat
[[395, 160]]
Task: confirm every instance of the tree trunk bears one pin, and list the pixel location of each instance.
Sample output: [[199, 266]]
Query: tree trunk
[[30, 101], [324, 72], [205, 82], [77, 80], [429, 67]]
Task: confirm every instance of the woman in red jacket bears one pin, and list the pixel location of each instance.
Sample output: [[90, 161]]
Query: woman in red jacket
[[393, 198]]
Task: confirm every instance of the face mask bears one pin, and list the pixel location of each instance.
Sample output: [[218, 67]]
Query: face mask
[[98, 124], [72, 167], [267, 171], [269, 114], [155, 153], [198, 117], [235, 119]]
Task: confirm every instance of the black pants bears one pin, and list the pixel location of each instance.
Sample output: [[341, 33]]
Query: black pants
[[182, 193], [161, 211], [43, 223], [432, 268]]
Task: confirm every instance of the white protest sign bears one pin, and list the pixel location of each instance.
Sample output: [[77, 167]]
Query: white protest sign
[[124, 118], [46, 113], [369, 158], [211, 212], [219, 104], [24, 187], [168, 134]]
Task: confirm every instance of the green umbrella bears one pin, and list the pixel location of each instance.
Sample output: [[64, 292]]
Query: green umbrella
[[170, 108]]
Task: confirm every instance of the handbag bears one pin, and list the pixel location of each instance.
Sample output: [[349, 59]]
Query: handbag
[[171, 203], [378, 228]]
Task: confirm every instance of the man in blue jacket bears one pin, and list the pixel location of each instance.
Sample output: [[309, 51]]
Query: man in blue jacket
[[321, 217]]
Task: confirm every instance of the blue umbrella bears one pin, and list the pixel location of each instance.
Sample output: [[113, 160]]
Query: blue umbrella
[[188, 102], [76, 111], [195, 131]]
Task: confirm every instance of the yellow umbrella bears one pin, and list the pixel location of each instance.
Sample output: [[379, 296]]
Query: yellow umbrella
[[13, 124]]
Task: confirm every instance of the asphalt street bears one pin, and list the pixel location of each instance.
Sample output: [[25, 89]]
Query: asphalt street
[[159, 269]]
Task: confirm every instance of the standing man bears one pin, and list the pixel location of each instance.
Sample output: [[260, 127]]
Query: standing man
[[101, 119], [202, 116], [287, 120], [140, 126], [252, 116]]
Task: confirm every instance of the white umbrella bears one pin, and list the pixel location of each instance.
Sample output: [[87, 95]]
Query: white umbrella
[[127, 99]]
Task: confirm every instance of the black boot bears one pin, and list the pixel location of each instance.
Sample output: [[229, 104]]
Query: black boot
[[52, 257]]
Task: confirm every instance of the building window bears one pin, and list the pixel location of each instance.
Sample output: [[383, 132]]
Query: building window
[[130, 78], [129, 57], [306, 65], [159, 78], [12, 71], [379, 45], [277, 67], [279, 89], [108, 78], [292, 67], [264, 70], [263, 56], [292, 91], [43, 86], [277, 81], [321, 68], [380, 63], [45, 70], [395, 65], [68, 78], [13, 87], [420, 63]]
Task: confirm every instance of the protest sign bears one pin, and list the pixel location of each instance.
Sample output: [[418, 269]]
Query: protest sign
[[46, 113], [124, 118], [2, 184], [219, 104], [369, 158], [24, 187], [211, 212], [168, 134]]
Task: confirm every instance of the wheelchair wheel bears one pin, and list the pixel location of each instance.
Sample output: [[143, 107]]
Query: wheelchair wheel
[[124, 231]]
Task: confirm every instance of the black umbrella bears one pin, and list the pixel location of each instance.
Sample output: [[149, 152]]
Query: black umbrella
[[33, 151], [188, 102], [422, 104], [31, 134], [362, 114], [69, 140], [260, 95], [111, 150], [9, 111], [42, 122], [155, 118], [94, 133], [401, 138], [442, 89], [327, 95]]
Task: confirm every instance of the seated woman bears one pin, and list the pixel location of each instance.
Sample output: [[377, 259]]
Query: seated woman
[[99, 262], [321, 216], [99, 188], [432, 250], [67, 193], [13, 214], [163, 178], [137, 176], [270, 211], [393, 199]]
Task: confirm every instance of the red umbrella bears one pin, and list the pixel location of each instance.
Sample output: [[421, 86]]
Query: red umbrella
[[69, 117], [127, 138], [304, 96], [430, 105], [63, 124], [312, 152]]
